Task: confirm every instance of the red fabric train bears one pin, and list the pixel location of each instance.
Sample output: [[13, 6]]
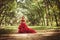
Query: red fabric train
[[23, 28]]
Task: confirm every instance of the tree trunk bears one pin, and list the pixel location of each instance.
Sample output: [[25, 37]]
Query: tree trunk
[[1, 20], [43, 21], [52, 21], [56, 20]]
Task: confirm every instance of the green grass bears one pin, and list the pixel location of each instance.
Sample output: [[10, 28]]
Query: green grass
[[14, 28], [34, 27], [11, 29]]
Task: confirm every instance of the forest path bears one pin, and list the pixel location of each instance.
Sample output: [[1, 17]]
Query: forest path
[[32, 36]]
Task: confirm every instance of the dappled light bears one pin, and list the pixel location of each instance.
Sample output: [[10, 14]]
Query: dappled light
[[41, 20]]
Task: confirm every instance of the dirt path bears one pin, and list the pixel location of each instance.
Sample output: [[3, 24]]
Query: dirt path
[[36, 36]]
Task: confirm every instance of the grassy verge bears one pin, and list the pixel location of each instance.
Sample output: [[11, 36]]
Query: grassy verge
[[12, 29]]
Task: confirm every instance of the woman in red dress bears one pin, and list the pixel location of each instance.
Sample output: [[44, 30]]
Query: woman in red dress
[[23, 28]]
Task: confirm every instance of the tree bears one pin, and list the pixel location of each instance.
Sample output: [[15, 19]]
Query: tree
[[34, 13], [42, 12], [7, 8], [54, 6]]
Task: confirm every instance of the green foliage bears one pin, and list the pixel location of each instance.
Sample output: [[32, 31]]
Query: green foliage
[[38, 12], [7, 8]]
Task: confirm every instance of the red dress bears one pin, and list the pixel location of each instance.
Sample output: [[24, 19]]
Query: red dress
[[23, 28]]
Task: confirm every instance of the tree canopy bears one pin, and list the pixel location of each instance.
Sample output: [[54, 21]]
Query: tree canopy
[[38, 12]]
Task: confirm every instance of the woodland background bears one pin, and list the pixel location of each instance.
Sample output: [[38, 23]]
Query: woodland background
[[39, 14]]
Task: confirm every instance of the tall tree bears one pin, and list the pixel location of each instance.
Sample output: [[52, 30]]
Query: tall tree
[[7, 8]]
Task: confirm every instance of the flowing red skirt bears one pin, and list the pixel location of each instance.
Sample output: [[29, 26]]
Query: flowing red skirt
[[23, 28]]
